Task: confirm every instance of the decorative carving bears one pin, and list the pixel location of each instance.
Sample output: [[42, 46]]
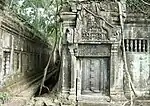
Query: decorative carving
[[96, 24], [6, 67], [136, 45], [94, 50], [94, 30], [69, 35], [115, 34]]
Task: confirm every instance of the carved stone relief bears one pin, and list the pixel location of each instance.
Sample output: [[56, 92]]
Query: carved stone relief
[[93, 50], [97, 24], [94, 30], [69, 35]]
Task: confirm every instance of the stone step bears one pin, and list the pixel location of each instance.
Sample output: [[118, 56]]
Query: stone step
[[93, 104], [117, 103]]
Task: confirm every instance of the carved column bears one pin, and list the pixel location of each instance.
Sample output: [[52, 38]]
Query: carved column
[[114, 67], [73, 73], [68, 57], [116, 75]]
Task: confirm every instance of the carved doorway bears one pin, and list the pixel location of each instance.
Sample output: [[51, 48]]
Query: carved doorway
[[95, 76]]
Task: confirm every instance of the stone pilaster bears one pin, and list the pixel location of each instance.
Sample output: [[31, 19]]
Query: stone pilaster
[[68, 58], [73, 74], [116, 75], [1, 54], [113, 66]]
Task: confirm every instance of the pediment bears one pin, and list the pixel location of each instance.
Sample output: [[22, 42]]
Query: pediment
[[96, 27]]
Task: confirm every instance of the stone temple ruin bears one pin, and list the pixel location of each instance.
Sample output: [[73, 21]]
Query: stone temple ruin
[[105, 54], [93, 65]]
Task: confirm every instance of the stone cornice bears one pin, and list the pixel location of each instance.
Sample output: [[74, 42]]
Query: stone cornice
[[136, 18], [68, 19], [68, 16]]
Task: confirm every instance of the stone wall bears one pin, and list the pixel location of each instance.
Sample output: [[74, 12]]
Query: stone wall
[[23, 55], [137, 45], [93, 62]]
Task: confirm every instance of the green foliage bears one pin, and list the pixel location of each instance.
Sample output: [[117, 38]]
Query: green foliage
[[41, 14], [4, 96]]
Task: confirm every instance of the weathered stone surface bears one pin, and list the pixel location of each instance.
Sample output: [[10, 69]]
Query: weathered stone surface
[[93, 50], [23, 54], [96, 37], [93, 104]]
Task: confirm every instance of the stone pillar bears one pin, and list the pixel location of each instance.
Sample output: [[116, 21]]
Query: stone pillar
[[1, 54], [65, 70], [114, 65], [68, 58], [116, 75], [73, 73]]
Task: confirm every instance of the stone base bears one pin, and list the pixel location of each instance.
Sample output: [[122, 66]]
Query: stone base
[[97, 100], [118, 95], [90, 103], [116, 99], [117, 103], [93, 104], [94, 98], [139, 103]]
